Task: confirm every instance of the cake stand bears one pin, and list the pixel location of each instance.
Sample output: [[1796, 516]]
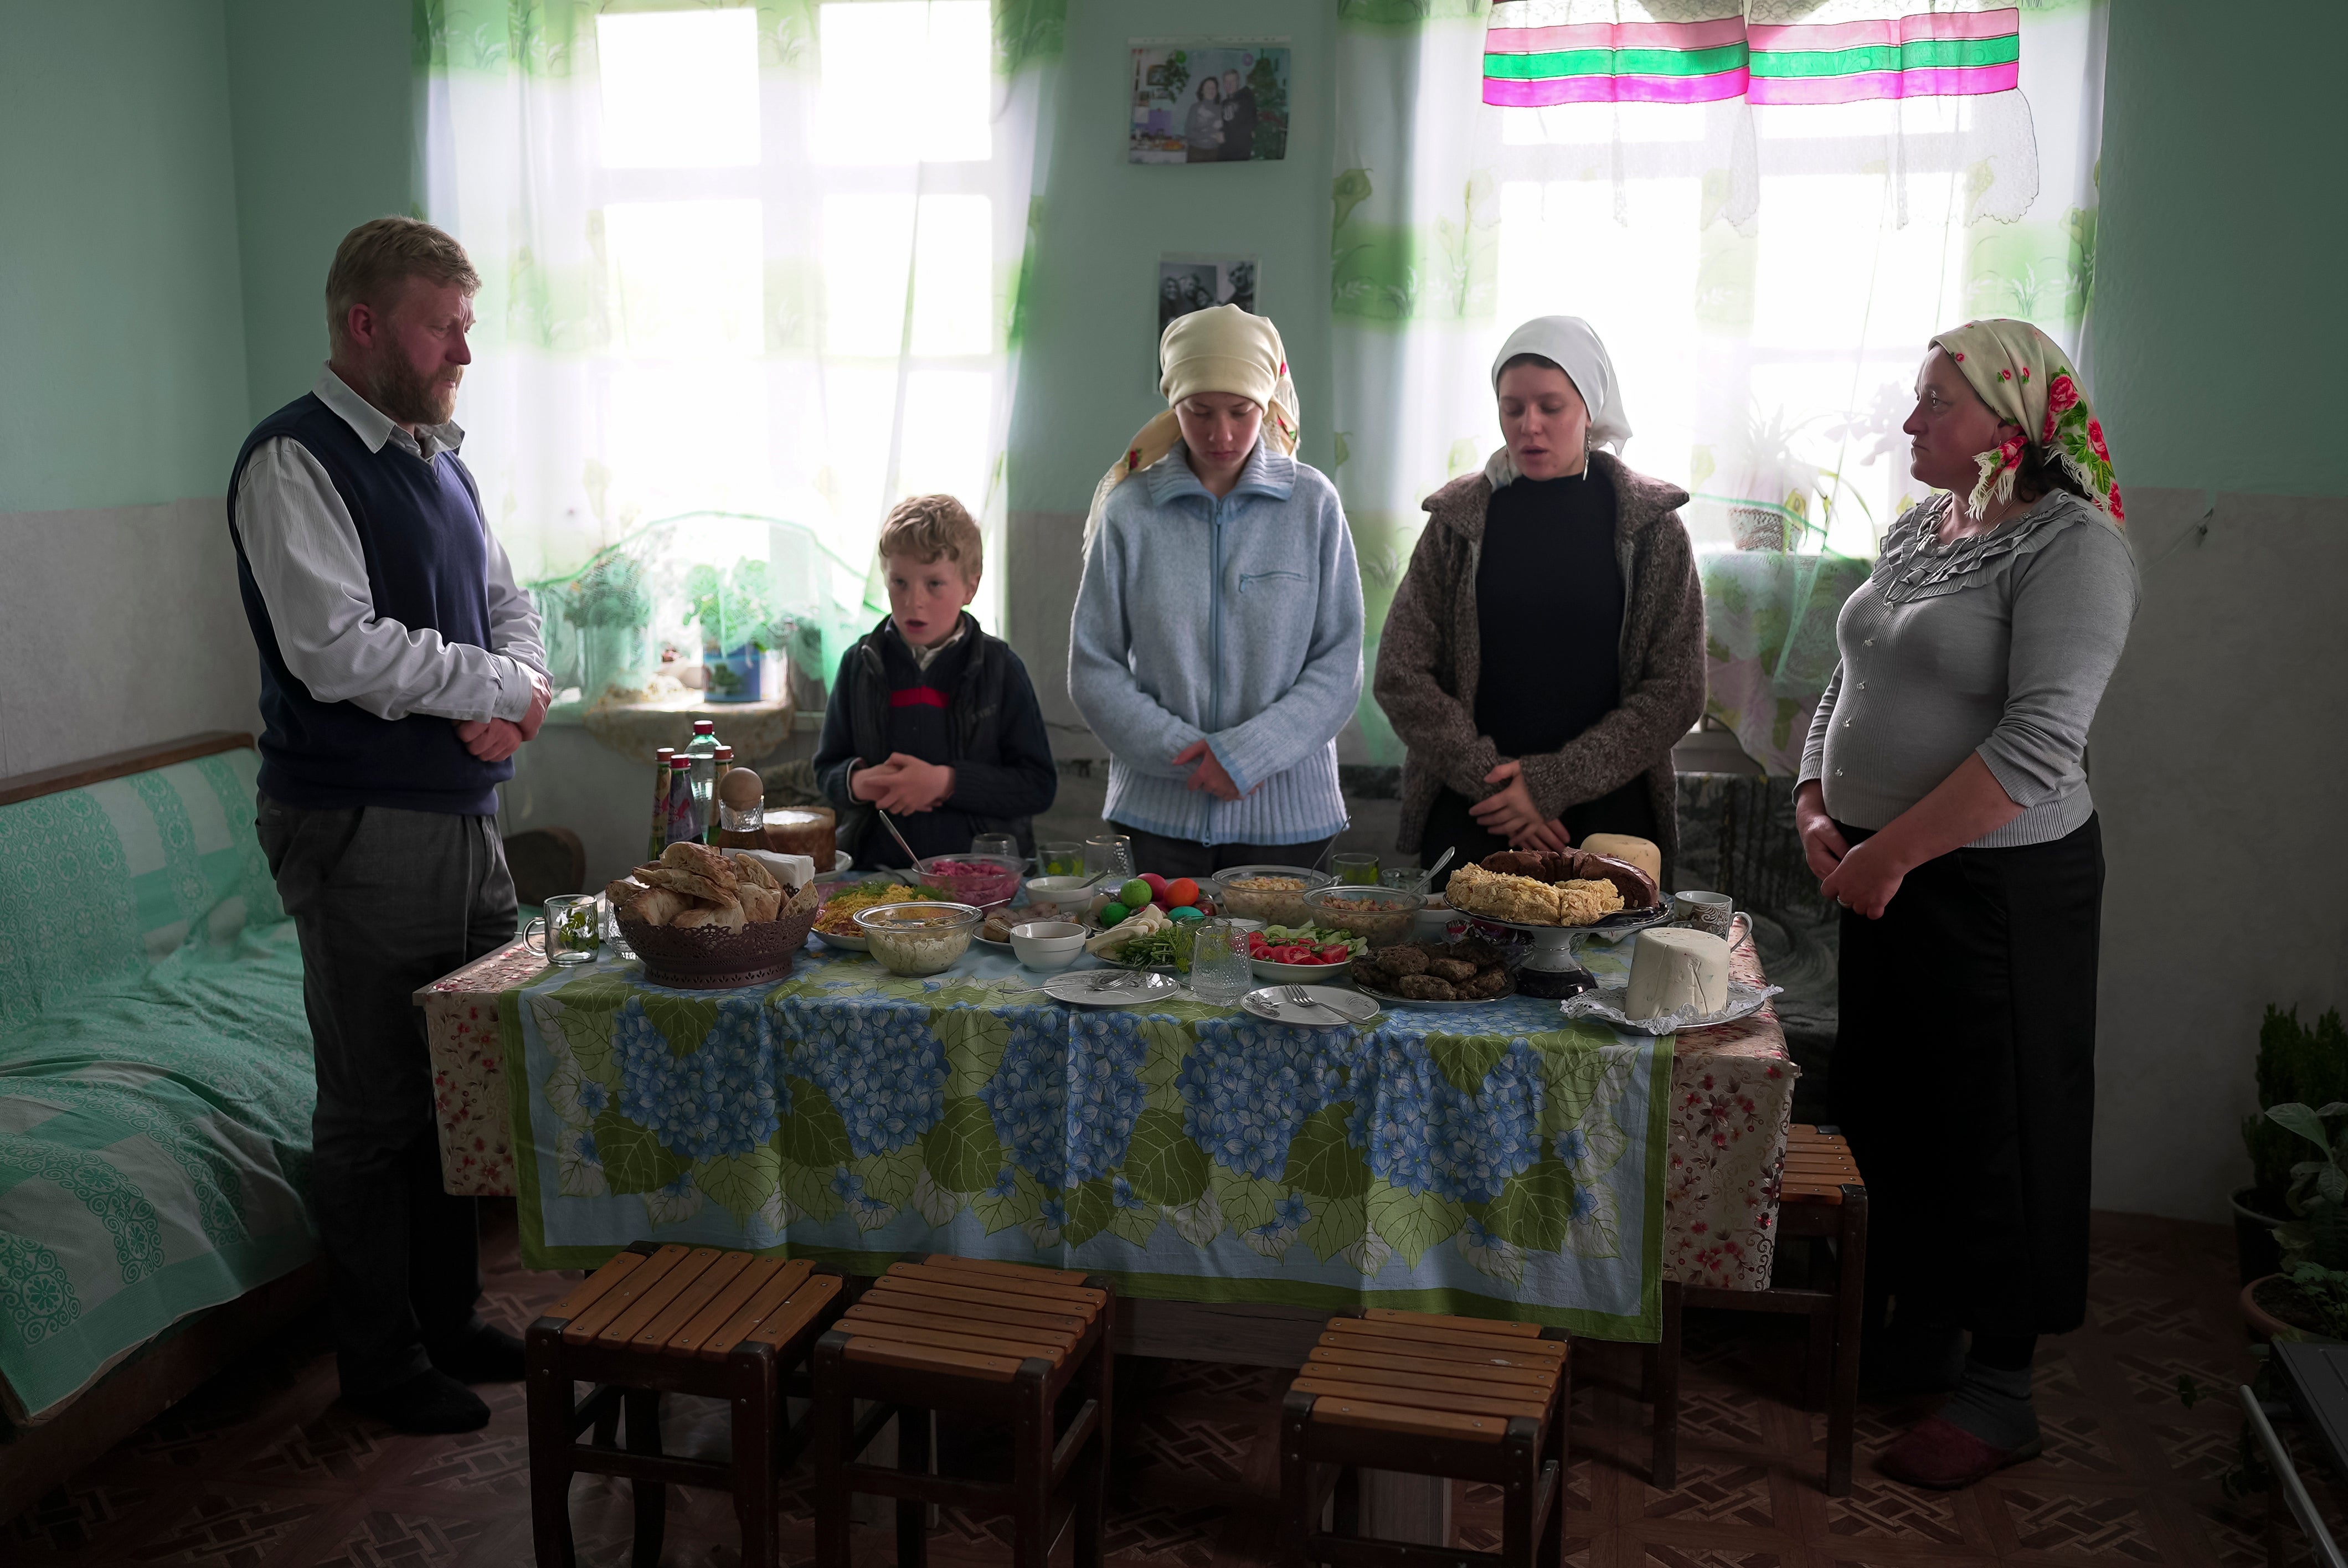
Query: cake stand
[[1554, 970]]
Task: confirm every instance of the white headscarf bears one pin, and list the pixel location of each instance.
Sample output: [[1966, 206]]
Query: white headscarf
[[1568, 343]]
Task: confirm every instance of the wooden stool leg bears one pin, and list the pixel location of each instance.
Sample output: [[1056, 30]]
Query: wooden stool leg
[[552, 1404], [651, 1496], [1851, 1306], [914, 1426], [1559, 1452], [1031, 1466], [1092, 1495], [1523, 1447], [1818, 1362], [607, 1426], [1346, 1514], [834, 1414], [1298, 1517], [758, 1419], [1664, 1466]]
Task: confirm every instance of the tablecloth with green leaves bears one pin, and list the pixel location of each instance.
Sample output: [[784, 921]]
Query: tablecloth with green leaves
[[1494, 1161]]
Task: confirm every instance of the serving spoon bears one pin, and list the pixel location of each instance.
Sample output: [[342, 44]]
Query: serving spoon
[[1429, 880]]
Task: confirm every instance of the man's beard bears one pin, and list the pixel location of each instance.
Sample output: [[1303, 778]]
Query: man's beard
[[408, 398]]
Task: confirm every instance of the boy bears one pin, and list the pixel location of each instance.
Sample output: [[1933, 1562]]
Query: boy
[[932, 720]]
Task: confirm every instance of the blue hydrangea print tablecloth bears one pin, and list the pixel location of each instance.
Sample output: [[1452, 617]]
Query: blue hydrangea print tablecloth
[[1493, 1161]]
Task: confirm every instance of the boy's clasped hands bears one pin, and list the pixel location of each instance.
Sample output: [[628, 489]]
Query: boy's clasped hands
[[903, 784]]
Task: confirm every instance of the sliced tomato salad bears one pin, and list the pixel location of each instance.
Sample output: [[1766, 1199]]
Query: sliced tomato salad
[[1297, 951]]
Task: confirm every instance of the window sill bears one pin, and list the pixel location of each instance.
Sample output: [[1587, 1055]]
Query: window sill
[[638, 730]]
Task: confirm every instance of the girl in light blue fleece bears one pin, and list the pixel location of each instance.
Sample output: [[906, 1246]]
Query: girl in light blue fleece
[[1217, 643]]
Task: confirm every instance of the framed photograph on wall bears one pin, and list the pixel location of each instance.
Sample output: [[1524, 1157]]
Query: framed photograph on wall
[[1186, 284], [1212, 100]]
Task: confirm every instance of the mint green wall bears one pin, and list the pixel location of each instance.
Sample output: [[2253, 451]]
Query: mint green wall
[[121, 325], [324, 98], [1087, 376], [2217, 345]]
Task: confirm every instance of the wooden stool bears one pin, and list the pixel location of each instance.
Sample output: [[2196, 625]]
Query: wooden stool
[[1462, 1397], [1821, 1194], [997, 1345], [679, 1320]]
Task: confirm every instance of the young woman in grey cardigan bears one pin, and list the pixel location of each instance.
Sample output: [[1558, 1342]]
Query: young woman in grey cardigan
[[1943, 801], [1546, 649]]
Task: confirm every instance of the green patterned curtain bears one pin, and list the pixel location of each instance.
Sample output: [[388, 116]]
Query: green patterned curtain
[[1766, 207], [751, 275]]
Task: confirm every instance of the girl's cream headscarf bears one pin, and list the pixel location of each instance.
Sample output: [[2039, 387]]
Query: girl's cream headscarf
[[1220, 349], [2028, 380]]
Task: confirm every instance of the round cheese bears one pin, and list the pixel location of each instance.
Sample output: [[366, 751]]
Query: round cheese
[[1672, 969], [1640, 852]]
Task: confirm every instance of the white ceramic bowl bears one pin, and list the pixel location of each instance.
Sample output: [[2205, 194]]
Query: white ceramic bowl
[[1047, 944], [1064, 896]]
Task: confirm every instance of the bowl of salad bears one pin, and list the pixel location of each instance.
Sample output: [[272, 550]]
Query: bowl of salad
[[1307, 954]]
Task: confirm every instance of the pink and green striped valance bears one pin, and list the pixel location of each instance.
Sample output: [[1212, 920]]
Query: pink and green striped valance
[[1536, 54]]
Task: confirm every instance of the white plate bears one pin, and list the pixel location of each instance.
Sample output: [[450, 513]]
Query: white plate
[[1605, 1005], [1271, 1002], [1394, 998], [845, 943], [1282, 974], [1084, 988]]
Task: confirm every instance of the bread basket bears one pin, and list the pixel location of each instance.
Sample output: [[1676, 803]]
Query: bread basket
[[713, 959]]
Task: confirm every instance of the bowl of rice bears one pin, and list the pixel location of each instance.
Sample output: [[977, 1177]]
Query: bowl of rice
[[920, 939], [1272, 894], [983, 881], [845, 898]]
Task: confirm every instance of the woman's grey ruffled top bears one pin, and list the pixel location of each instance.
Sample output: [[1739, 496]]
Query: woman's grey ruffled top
[[1998, 644]]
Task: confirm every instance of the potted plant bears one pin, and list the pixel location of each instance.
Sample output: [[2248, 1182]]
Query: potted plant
[[2297, 1065], [2310, 1295], [742, 638]]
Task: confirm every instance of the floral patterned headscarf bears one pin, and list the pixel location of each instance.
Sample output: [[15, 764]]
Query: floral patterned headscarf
[[2028, 380]]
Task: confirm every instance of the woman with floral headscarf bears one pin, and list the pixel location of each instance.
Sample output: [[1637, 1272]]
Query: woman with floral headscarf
[[1943, 803], [1216, 647]]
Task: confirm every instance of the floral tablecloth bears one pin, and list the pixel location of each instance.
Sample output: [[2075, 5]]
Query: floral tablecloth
[[1711, 1142]]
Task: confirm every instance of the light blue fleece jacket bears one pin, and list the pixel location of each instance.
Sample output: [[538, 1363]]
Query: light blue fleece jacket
[[1238, 621]]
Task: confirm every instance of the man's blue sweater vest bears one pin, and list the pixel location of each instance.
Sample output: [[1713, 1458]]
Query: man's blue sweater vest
[[420, 528]]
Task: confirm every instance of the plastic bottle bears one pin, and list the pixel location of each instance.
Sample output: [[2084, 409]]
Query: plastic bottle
[[659, 803], [702, 750], [684, 822]]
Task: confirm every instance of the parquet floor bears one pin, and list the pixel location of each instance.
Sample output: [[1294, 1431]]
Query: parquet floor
[[261, 1469]]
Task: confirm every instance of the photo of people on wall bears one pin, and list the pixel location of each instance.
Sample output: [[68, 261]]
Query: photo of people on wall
[[1217, 101]]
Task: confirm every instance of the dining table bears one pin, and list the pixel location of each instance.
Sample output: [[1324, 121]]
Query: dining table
[[1490, 1159]]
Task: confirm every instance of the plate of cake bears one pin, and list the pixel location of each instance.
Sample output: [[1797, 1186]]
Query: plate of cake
[[1679, 980]]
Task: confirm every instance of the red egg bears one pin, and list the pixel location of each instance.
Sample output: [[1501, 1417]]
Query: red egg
[[1182, 890], [1157, 886]]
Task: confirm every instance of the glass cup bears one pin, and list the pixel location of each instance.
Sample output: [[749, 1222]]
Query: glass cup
[[1220, 971], [613, 938], [570, 932], [1006, 844], [1359, 869], [1059, 860], [1110, 853], [1404, 878]]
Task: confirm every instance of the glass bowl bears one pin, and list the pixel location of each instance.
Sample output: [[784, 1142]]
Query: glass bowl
[[982, 881], [1272, 905], [1383, 915], [920, 939]]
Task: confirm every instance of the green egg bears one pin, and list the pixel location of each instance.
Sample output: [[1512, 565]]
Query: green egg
[[1113, 914], [1184, 912], [1134, 894]]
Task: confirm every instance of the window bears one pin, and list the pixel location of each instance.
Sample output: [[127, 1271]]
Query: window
[[747, 287]]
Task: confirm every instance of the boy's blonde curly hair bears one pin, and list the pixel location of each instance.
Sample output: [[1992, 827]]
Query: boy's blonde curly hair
[[929, 527]]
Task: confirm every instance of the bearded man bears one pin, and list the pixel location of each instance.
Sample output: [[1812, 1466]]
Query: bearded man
[[400, 670]]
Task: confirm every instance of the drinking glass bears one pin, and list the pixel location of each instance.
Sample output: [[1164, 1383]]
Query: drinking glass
[[1219, 971], [1111, 851], [1403, 877], [1006, 844], [1360, 869], [1059, 860], [570, 932]]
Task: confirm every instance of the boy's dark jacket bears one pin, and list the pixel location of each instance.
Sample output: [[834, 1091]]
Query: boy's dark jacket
[[995, 742]]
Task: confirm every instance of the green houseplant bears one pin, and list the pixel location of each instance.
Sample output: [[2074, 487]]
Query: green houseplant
[[735, 610], [2311, 1295], [2298, 1065]]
